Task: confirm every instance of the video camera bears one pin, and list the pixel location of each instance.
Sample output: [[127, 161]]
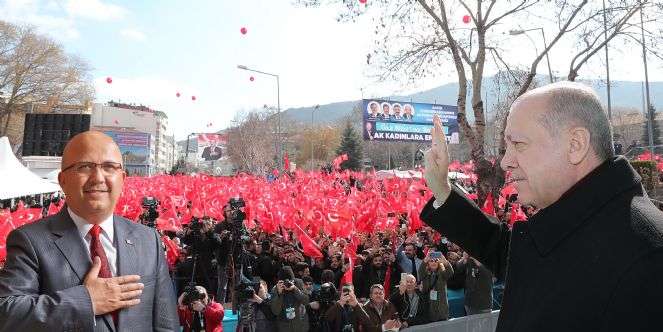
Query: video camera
[[195, 225], [191, 294], [247, 289], [236, 204], [150, 215], [327, 294]]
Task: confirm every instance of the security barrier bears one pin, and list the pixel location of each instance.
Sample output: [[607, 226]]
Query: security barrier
[[476, 323]]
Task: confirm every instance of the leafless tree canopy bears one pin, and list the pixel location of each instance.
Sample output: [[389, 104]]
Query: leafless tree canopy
[[34, 68], [251, 143], [419, 38]]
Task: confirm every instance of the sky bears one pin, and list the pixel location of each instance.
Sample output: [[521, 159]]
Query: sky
[[154, 49]]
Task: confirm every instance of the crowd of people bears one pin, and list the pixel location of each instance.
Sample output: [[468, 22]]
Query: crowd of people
[[343, 251], [390, 278], [385, 278]]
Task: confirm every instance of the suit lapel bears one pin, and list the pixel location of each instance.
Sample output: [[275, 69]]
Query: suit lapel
[[127, 260], [74, 249], [126, 247], [71, 244]]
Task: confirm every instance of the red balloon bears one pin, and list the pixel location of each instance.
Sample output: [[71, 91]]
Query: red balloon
[[243, 30], [466, 19], [193, 97], [109, 80], [252, 79], [362, 1], [178, 95]]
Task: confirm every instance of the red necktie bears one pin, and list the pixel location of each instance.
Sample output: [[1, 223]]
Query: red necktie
[[97, 250]]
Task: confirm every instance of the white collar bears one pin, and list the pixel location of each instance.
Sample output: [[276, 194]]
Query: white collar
[[84, 226]]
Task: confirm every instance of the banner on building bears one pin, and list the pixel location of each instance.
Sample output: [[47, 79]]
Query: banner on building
[[134, 146], [212, 147], [398, 121]]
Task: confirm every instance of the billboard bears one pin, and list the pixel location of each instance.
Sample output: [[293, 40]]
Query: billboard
[[396, 121], [212, 147], [134, 146]]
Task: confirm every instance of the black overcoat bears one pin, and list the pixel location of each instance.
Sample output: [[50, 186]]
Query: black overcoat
[[592, 261]]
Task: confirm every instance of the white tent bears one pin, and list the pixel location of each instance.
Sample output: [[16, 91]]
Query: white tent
[[52, 176], [15, 179]]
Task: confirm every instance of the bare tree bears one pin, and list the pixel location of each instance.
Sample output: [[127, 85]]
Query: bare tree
[[251, 143], [415, 39], [34, 68]]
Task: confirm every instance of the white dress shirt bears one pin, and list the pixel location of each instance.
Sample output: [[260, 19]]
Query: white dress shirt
[[106, 237]]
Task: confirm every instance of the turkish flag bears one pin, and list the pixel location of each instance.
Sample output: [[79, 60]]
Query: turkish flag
[[311, 249], [54, 208], [168, 221], [6, 226], [488, 206], [517, 214], [172, 251]]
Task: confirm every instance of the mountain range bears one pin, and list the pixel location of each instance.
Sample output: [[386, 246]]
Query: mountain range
[[626, 96]]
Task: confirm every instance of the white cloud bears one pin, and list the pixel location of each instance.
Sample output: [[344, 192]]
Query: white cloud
[[29, 12], [133, 34], [95, 10]]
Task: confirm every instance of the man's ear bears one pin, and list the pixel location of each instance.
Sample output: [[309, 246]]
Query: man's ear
[[578, 144]]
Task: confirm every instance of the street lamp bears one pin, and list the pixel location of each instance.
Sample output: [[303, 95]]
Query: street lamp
[[312, 113], [545, 44], [278, 108], [186, 153], [650, 114]]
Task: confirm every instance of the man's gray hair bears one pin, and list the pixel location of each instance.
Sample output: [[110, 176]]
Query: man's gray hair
[[575, 104]]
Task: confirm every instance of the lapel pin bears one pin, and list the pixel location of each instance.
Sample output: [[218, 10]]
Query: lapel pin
[[129, 242]]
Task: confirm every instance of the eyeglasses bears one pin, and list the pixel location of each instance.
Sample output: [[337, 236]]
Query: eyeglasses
[[87, 167]]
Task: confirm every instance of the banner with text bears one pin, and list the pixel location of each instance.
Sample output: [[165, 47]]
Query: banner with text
[[134, 146], [406, 122]]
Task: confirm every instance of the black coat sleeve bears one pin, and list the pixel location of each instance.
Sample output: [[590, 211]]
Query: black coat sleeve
[[461, 221], [635, 304]]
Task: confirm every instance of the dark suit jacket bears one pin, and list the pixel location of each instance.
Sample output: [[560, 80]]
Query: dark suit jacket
[[41, 285], [402, 303], [592, 261], [208, 155]]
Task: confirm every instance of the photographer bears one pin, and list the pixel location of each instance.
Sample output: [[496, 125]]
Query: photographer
[[288, 302], [255, 310], [346, 314], [222, 245], [198, 236], [434, 273], [266, 265], [321, 300], [197, 311]]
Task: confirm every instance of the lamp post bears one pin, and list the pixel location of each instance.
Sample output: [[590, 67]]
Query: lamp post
[[650, 118], [312, 113], [607, 64], [186, 153], [278, 109], [545, 45]]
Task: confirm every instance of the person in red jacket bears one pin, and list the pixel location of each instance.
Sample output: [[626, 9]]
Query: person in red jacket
[[199, 313]]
